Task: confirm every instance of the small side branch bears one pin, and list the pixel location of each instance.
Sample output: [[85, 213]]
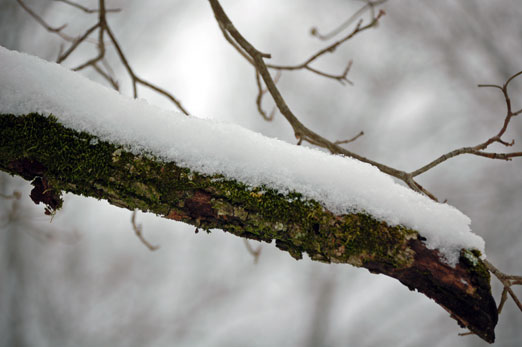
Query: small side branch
[[478, 150], [370, 5], [102, 26], [52, 29], [342, 142], [507, 281], [138, 230], [85, 9], [302, 133]]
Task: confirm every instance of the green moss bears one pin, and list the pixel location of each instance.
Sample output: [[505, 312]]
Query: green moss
[[471, 258], [80, 163]]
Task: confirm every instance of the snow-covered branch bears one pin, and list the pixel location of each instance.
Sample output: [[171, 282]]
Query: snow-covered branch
[[216, 175]]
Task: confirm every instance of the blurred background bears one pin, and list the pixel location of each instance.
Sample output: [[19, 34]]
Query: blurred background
[[84, 278]]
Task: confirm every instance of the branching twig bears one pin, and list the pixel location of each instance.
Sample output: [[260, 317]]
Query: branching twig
[[342, 77], [306, 65], [138, 230], [259, 99], [107, 76], [85, 9], [76, 43], [103, 28], [479, 149], [303, 133], [507, 281], [56, 30], [369, 5]]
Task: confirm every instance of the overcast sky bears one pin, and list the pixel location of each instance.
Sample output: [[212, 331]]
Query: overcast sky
[[86, 280]]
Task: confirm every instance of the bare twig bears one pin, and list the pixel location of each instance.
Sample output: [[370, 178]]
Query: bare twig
[[369, 5], [103, 28], [341, 142], [507, 281], [259, 99], [303, 133], [107, 76], [56, 30], [254, 252], [76, 43], [138, 230], [342, 77], [85, 9], [479, 149], [306, 65]]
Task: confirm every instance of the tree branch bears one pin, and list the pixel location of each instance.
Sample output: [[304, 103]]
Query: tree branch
[[303, 133], [59, 159]]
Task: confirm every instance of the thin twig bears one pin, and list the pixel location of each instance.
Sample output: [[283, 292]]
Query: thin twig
[[254, 252], [76, 43], [369, 5], [136, 79], [56, 30], [479, 149], [85, 9], [259, 99], [103, 28], [340, 142], [467, 333], [138, 230], [302, 133], [507, 281], [107, 77], [342, 77]]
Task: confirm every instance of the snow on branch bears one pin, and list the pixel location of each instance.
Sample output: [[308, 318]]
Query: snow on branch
[[303, 133], [102, 26], [218, 175]]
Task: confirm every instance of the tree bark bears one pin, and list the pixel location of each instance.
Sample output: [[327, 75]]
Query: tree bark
[[58, 159]]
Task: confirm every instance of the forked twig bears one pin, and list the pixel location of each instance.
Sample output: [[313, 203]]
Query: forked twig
[[103, 28], [85, 9], [303, 133], [507, 281], [260, 93], [370, 5]]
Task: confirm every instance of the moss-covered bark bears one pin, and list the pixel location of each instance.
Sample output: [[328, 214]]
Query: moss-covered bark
[[58, 159]]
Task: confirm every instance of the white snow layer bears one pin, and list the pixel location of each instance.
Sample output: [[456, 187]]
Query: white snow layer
[[343, 185]]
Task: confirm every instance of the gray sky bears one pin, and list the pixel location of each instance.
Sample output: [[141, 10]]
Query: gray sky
[[85, 279]]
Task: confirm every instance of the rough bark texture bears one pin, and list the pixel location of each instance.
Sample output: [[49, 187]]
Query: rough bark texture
[[58, 159]]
